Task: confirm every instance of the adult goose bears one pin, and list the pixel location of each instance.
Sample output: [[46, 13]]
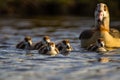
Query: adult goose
[[101, 30]]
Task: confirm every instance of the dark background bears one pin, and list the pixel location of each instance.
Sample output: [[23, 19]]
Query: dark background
[[32, 8]]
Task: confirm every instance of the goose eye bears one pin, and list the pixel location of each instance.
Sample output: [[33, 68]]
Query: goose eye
[[105, 8]]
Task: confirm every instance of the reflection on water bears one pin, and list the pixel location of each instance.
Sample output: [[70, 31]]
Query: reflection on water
[[15, 64]]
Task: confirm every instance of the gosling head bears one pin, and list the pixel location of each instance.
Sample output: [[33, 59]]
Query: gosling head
[[28, 41], [66, 45], [46, 39], [51, 46]]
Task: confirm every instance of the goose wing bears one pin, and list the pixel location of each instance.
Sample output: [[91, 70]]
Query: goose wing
[[115, 33], [86, 34], [20, 45]]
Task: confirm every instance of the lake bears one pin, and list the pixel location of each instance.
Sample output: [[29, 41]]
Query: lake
[[78, 65]]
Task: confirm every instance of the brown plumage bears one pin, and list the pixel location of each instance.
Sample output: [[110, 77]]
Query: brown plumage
[[25, 44], [49, 49], [43, 42], [101, 29], [99, 46], [64, 47]]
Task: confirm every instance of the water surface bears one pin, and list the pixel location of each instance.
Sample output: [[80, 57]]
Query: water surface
[[79, 65]]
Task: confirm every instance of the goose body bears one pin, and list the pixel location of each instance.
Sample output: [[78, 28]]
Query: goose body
[[110, 41], [44, 41], [25, 44], [64, 47], [98, 47], [49, 49], [94, 34], [102, 30]]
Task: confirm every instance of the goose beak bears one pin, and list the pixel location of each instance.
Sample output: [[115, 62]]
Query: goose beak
[[30, 43], [100, 17]]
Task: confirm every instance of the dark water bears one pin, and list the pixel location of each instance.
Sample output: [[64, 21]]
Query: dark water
[[79, 65]]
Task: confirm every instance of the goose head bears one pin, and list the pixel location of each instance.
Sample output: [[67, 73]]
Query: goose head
[[28, 42], [100, 42], [101, 15], [46, 39], [66, 45], [100, 45], [51, 49], [51, 46]]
